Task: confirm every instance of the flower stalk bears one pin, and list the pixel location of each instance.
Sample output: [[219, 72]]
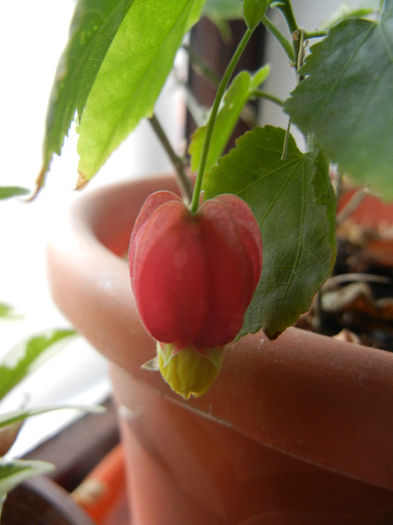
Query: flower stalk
[[216, 104]]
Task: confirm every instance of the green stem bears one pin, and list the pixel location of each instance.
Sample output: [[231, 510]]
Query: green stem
[[299, 46], [286, 9], [200, 67], [178, 162], [286, 141], [300, 54], [210, 125], [315, 34], [285, 43], [268, 96]]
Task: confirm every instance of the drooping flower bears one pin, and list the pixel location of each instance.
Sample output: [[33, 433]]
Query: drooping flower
[[193, 275]]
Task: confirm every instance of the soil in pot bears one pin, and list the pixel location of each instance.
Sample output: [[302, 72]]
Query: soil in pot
[[356, 303]]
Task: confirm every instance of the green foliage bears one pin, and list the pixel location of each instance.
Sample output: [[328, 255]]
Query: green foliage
[[17, 364], [221, 12], [345, 99], [294, 204], [8, 312], [235, 98], [364, 9], [93, 27], [14, 472], [131, 76], [253, 11], [223, 9], [20, 415], [116, 64], [22, 359], [196, 8], [6, 192]]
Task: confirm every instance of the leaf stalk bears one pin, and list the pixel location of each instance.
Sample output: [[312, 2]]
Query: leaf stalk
[[282, 39], [178, 162]]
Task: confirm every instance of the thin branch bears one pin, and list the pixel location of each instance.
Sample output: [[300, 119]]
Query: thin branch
[[178, 162], [268, 96], [285, 43], [200, 67], [315, 34], [286, 9]]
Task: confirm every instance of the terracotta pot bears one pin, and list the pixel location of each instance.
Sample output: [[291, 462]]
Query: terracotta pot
[[40, 501], [295, 431]]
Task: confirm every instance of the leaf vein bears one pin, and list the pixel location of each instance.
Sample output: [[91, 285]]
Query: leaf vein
[[299, 244]]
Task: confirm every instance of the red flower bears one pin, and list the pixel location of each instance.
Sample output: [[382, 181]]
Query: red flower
[[193, 275]]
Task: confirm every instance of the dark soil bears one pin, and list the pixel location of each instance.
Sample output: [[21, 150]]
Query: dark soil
[[356, 303]]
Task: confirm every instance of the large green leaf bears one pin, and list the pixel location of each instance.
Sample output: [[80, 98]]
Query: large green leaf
[[22, 359], [346, 99], [294, 204], [235, 98], [131, 76], [94, 24]]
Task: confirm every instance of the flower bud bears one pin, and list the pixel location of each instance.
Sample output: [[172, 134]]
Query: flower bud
[[189, 372], [193, 275]]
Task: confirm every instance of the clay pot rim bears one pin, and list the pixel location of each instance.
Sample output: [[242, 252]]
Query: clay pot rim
[[299, 374]]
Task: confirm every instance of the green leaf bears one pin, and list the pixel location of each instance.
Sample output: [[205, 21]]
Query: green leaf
[[21, 360], [8, 312], [253, 10], [259, 77], [131, 76], [235, 98], [195, 13], [20, 415], [344, 11], [346, 99], [14, 472], [6, 192], [294, 204], [93, 27]]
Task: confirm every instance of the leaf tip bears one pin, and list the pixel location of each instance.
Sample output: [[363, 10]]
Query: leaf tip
[[81, 182]]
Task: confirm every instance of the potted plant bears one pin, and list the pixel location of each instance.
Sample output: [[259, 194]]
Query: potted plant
[[297, 426]]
